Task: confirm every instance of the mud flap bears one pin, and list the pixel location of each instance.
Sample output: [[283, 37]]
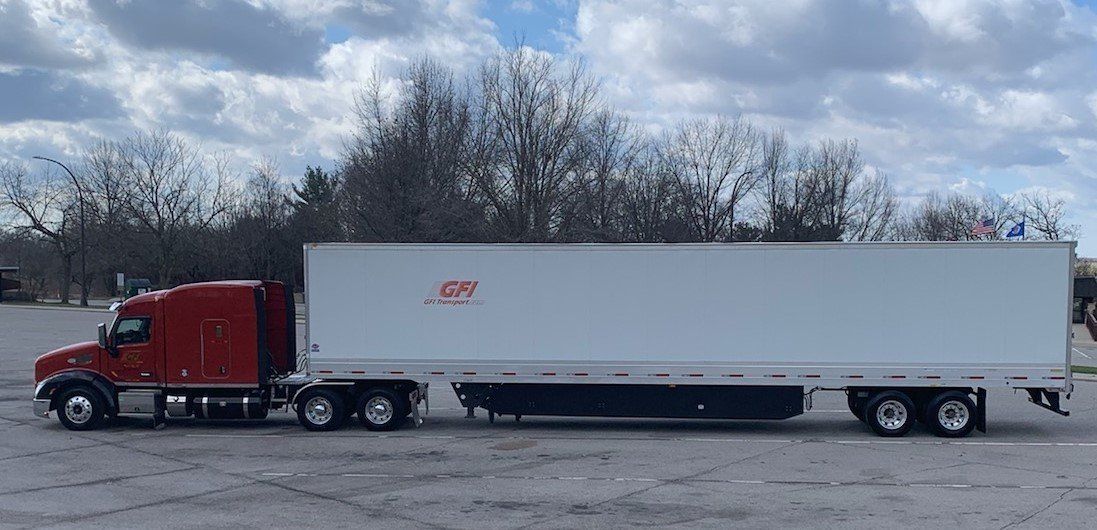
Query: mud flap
[[417, 395], [981, 410], [415, 414]]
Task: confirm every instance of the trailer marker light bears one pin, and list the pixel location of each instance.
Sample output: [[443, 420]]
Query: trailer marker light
[[897, 377], [813, 376], [855, 376], [1021, 377], [662, 375], [976, 377], [621, 374], [778, 376], [580, 374], [548, 373], [696, 375], [357, 371], [1056, 377], [437, 373], [397, 372], [325, 372], [734, 375], [931, 377], [509, 373]]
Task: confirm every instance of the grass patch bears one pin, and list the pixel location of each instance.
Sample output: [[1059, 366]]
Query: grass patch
[[1079, 369]]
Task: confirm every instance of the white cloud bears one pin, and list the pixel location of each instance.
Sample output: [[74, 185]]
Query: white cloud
[[229, 93], [522, 6], [935, 90]]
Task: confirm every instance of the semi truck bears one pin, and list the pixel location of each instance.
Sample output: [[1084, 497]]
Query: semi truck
[[909, 332]]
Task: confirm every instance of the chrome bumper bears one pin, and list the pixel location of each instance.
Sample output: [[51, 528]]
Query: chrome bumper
[[42, 408]]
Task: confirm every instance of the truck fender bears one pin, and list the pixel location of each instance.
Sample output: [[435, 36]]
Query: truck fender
[[295, 394], [47, 389]]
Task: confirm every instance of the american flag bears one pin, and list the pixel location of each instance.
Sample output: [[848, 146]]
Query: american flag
[[986, 226]]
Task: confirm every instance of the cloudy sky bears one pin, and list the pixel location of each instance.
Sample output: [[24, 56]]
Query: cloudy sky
[[944, 95]]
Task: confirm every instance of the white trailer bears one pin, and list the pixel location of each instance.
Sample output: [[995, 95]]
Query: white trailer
[[907, 330]]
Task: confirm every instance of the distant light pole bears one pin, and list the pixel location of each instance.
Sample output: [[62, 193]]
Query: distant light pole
[[83, 241]]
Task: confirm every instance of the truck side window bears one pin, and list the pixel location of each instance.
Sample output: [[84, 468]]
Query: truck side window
[[132, 331]]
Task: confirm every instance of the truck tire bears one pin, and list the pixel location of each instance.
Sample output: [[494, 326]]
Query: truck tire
[[321, 409], [890, 413], [951, 414], [81, 408], [856, 406], [381, 409]]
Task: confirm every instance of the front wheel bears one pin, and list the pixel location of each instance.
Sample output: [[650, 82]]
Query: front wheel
[[80, 409], [890, 413], [951, 414], [321, 409]]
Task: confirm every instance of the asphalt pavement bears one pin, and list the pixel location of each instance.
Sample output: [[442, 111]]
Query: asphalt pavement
[[825, 468]]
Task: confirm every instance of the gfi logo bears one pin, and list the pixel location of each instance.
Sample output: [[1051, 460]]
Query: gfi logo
[[455, 288], [453, 293]]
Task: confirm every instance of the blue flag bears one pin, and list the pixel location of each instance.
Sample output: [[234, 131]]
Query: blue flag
[[1018, 230]]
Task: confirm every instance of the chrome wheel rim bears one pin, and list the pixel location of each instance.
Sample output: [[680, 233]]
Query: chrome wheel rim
[[78, 409], [891, 415], [318, 410], [953, 415], [379, 410]]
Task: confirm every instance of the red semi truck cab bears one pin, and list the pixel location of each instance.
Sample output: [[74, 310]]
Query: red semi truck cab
[[206, 349]]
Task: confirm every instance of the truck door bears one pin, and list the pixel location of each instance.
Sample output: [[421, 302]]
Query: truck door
[[216, 349], [133, 360]]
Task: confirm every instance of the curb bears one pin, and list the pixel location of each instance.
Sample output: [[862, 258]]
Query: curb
[[56, 308]]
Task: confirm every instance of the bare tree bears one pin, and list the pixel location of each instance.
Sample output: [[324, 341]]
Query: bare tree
[[875, 210], [262, 222], [952, 218], [528, 144], [837, 171], [47, 207], [1085, 267], [715, 165], [613, 145], [34, 255], [648, 200], [788, 191], [172, 192], [1044, 214], [404, 176], [103, 176]]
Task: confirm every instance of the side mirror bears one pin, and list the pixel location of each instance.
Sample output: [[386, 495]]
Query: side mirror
[[104, 342]]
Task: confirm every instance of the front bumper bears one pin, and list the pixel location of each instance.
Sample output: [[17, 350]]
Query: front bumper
[[42, 408]]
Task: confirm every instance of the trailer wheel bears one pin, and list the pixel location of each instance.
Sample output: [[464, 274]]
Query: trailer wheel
[[321, 409], [80, 409], [890, 413], [381, 409], [951, 414]]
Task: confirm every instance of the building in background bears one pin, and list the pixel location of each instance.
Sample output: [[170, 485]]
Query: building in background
[[8, 284], [1085, 293]]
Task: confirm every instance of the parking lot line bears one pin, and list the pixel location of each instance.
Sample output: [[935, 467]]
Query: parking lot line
[[675, 439], [869, 483]]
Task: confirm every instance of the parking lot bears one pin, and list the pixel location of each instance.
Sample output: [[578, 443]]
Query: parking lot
[[1033, 468]]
